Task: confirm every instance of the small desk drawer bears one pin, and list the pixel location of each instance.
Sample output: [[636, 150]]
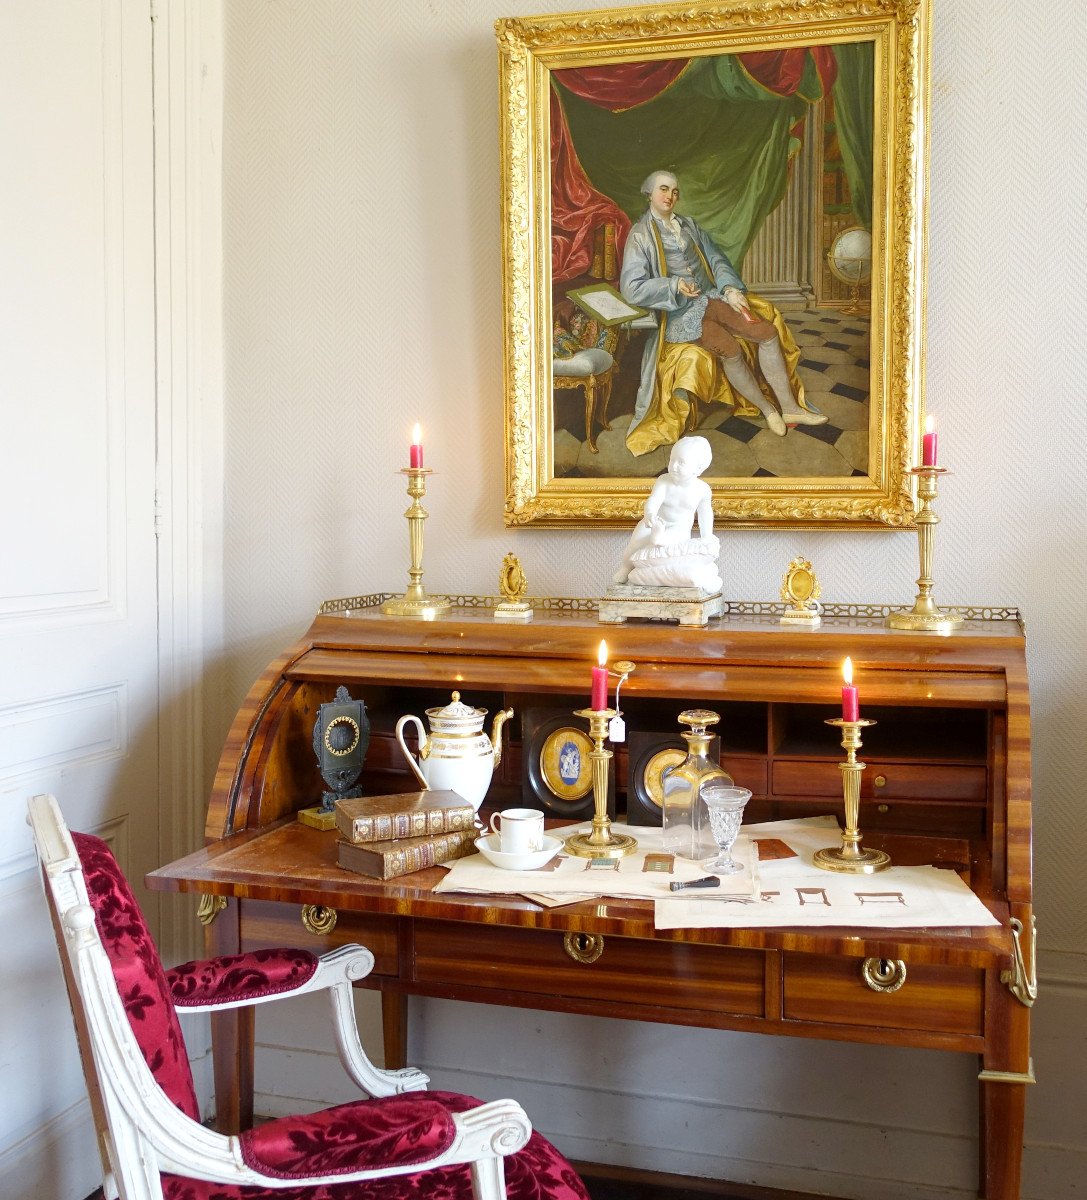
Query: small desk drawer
[[266, 924], [628, 971], [899, 781], [933, 999]]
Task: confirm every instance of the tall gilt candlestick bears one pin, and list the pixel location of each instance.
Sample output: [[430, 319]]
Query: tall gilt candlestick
[[850, 856], [924, 615], [415, 602], [600, 841]]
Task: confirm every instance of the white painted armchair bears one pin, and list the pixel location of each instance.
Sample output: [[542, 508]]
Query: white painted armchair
[[404, 1143]]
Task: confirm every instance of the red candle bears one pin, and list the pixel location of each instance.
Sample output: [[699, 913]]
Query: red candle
[[415, 453], [850, 701], [600, 680], [928, 443]]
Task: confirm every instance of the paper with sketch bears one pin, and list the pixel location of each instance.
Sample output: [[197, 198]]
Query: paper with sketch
[[793, 891], [645, 874]]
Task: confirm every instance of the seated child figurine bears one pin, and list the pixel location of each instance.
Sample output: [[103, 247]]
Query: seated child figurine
[[661, 551]]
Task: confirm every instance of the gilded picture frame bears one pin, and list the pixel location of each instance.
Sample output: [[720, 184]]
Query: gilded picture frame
[[795, 136]]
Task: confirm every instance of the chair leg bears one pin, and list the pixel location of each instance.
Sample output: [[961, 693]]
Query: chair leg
[[590, 405], [489, 1179], [605, 397]]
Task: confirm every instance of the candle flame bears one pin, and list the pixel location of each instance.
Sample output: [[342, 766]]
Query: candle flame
[[602, 654], [930, 423], [847, 672], [416, 434]]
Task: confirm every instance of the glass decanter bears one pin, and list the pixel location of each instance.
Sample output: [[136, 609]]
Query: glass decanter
[[683, 811]]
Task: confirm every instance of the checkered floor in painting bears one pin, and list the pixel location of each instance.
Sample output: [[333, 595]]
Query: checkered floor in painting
[[834, 368]]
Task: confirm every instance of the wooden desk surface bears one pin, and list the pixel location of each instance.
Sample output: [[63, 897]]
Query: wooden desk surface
[[294, 863]]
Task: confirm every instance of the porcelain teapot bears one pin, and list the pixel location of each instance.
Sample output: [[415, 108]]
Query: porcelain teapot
[[458, 754]]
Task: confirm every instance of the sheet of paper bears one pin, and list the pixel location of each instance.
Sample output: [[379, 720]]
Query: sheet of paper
[[793, 891], [645, 874]]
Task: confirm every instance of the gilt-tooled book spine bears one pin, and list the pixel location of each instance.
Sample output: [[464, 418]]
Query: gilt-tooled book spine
[[387, 860], [410, 814]]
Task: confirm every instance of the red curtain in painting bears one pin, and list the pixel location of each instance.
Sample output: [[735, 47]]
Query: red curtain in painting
[[578, 210], [780, 71]]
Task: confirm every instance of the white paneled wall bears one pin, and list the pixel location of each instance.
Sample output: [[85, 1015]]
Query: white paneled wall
[[362, 278]]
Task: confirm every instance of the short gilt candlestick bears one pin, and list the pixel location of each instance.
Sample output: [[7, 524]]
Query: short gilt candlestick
[[600, 841], [924, 615], [415, 602], [850, 856]]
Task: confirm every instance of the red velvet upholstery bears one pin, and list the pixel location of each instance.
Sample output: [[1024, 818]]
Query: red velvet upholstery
[[138, 971], [538, 1172], [394, 1131], [240, 976]]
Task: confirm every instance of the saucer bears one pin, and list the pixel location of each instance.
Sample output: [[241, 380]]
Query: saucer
[[529, 860]]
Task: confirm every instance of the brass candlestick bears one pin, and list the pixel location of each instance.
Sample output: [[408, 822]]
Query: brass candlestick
[[415, 602], [924, 615], [600, 842], [849, 856]]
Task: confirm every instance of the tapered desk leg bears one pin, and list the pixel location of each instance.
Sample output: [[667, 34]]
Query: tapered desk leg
[[232, 1035], [394, 1028], [1003, 1112], [1002, 1096]]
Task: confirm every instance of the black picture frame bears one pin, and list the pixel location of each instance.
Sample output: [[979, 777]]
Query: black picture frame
[[649, 754], [555, 766]]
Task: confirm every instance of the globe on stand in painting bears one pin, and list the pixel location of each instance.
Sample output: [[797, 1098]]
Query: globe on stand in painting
[[849, 260]]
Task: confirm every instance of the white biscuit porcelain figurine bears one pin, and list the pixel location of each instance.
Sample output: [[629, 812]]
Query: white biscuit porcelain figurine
[[662, 551]]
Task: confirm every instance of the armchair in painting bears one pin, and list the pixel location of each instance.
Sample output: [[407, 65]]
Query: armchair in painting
[[584, 355], [405, 1142]]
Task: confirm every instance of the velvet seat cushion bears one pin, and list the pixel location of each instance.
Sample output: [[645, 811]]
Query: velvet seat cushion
[[240, 976], [325, 1143]]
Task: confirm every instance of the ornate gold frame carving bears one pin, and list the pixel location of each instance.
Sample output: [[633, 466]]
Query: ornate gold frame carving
[[529, 49]]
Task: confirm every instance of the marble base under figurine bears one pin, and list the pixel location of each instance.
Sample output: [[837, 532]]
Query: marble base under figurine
[[513, 613], [687, 605]]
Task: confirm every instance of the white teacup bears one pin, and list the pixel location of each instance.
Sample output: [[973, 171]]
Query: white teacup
[[520, 830]]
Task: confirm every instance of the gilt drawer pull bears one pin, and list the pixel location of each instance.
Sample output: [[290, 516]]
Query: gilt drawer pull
[[583, 947], [883, 974], [880, 781], [319, 919]]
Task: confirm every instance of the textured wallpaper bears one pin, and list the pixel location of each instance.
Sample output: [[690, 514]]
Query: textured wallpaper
[[363, 293]]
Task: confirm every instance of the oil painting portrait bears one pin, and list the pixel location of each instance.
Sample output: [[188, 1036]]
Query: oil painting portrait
[[721, 245]]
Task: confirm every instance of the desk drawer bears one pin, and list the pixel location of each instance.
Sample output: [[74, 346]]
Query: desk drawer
[[901, 781], [628, 971], [832, 991], [266, 924]]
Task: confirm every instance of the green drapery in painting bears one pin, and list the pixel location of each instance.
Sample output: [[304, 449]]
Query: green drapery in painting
[[727, 138], [852, 92]]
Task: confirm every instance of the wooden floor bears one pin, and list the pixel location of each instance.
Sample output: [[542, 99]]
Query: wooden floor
[[620, 1184], [641, 1185]]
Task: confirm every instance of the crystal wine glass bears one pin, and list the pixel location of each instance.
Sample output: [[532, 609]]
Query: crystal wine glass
[[725, 805]]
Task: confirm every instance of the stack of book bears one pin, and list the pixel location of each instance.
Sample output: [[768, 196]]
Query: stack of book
[[387, 836]]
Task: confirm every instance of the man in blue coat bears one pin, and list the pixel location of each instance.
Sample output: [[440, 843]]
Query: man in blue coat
[[670, 265]]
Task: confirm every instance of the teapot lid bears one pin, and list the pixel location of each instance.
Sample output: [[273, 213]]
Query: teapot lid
[[456, 715]]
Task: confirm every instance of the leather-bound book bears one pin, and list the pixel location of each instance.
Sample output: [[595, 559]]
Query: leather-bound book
[[406, 814], [387, 860]]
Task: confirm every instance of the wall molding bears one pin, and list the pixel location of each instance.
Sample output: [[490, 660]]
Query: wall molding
[[29, 1166], [187, 53]]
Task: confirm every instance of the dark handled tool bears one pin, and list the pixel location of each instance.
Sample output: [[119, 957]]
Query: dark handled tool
[[708, 882]]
